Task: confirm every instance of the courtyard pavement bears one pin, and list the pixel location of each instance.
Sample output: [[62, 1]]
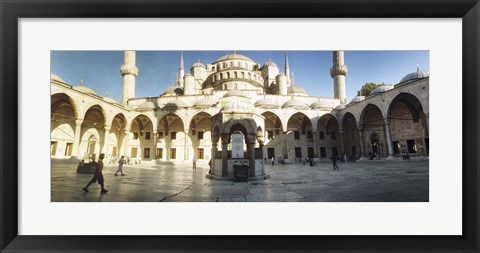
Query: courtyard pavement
[[363, 181]]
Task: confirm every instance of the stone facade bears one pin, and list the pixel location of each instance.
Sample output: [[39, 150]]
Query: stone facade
[[285, 121]]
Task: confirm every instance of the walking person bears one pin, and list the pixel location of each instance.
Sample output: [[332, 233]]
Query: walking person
[[334, 162], [121, 161], [273, 161], [194, 163], [97, 176]]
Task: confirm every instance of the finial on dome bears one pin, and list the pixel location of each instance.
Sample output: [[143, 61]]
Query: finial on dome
[[418, 67], [234, 51], [198, 60], [81, 82]]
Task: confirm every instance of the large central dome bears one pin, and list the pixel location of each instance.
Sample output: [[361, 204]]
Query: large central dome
[[234, 56]]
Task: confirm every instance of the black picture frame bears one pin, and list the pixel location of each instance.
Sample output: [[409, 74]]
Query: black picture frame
[[11, 11]]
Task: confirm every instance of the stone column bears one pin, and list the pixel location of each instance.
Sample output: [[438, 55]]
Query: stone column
[[224, 158], [155, 139], [213, 155], [285, 145], [76, 141], [251, 159], [185, 152], [391, 153], [125, 142], [342, 145], [105, 140], [362, 141], [315, 142]]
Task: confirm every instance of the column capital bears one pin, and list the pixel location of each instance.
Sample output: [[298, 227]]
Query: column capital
[[360, 127], [387, 121], [107, 128], [340, 130], [78, 121]]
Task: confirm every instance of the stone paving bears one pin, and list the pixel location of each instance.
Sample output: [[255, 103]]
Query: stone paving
[[363, 181]]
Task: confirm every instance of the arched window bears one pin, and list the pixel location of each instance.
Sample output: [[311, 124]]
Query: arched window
[[243, 75], [236, 74], [221, 76], [228, 75], [213, 68], [250, 76]]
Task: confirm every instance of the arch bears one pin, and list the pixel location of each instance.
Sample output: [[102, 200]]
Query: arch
[[351, 135], [373, 124], [408, 125], [221, 76], [236, 74], [228, 75], [61, 98], [95, 114], [247, 126], [273, 122]]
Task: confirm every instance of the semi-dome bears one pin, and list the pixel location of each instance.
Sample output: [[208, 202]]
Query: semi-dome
[[381, 88], [204, 103], [320, 105], [415, 75], [237, 106], [234, 56], [235, 93], [266, 103], [85, 89], [296, 104], [110, 100], [54, 77], [357, 99], [149, 105]]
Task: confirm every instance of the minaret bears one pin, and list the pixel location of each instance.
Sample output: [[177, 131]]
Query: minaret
[[338, 73], [129, 72], [182, 70], [287, 68]]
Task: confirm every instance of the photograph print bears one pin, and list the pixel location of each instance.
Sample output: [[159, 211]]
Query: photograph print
[[239, 126]]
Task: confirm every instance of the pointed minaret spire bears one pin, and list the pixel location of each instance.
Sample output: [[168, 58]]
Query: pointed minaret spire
[[176, 80], [287, 67], [182, 70]]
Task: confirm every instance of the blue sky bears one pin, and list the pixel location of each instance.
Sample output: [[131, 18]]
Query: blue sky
[[100, 70]]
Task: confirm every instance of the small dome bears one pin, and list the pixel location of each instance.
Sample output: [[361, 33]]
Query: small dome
[[172, 90], [235, 93], [415, 75], [340, 107], [358, 99], [54, 77], [110, 100], [238, 106], [296, 90], [321, 105], [266, 103], [85, 89], [270, 64], [198, 64], [149, 105], [381, 88], [234, 56], [175, 104], [296, 104], [204, 103]]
